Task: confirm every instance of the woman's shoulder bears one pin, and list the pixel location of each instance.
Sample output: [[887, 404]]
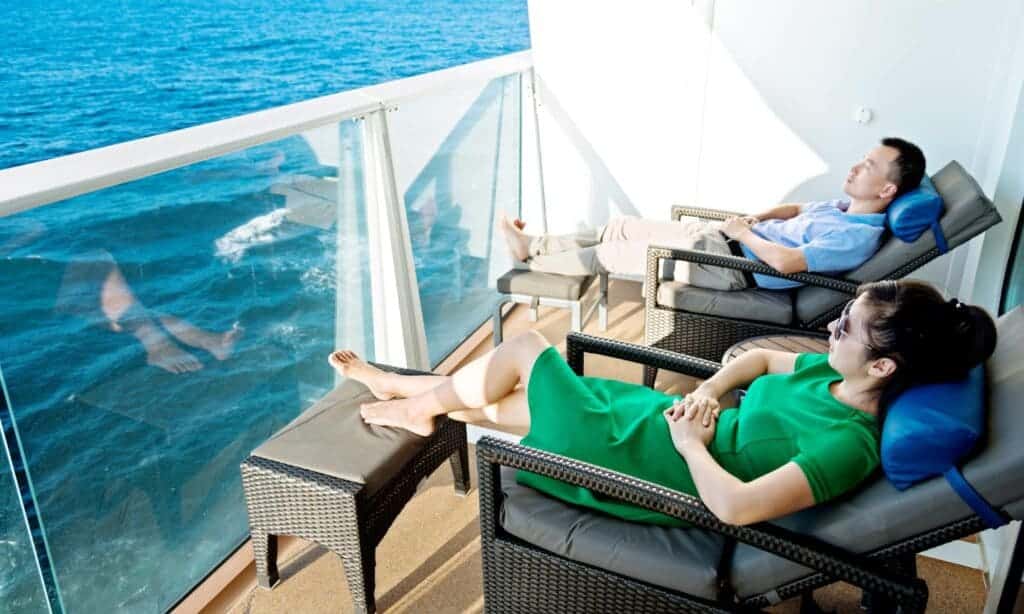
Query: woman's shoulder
[[808, 361]]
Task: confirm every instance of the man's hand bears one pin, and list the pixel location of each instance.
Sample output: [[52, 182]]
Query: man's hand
[[750, 219], [734, 227], [689, 433]]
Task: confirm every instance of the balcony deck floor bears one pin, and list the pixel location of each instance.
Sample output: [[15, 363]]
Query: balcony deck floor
[[430, 560]]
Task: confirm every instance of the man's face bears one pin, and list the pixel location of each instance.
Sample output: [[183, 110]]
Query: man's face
[[869, 178]]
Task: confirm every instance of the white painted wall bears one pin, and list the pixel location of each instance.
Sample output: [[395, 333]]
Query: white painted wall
[[744, 103]]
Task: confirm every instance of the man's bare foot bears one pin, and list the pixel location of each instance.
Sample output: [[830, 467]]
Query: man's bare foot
[[162, 352], [348, 364], [517, 240], [400, 413]]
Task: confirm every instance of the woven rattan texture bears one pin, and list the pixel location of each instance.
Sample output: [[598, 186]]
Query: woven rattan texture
[[832, 563], [286, 500], [553, 583]]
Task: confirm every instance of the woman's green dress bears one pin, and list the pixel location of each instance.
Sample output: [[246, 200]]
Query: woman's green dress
[[620, 426]]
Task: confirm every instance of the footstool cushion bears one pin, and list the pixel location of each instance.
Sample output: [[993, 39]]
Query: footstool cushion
[[331, 438], [330, 478], [535, 283]]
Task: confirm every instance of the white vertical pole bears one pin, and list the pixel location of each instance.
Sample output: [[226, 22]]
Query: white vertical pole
[[350, 316], [535, 103], [399, 334]]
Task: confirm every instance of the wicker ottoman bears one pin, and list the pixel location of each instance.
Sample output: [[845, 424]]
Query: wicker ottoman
[[564, 291], [330, 478]]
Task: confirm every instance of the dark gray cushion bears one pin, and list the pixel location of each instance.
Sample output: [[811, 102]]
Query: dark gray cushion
[[533, 283], [761, 305], [331, 438], [873, 516], [878, 514], [967, 212], [679, 559]]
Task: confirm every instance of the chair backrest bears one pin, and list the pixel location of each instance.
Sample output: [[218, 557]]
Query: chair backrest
[[967, 212], [878, 515]]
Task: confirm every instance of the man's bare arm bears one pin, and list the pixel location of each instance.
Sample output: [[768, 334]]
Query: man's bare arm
[[780, 212], [779, 257]]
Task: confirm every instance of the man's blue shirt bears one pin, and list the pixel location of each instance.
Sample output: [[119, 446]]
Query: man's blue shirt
[[832, 240]]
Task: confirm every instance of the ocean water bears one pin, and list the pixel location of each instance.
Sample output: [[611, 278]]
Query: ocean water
[[75, 74], [134, 465]]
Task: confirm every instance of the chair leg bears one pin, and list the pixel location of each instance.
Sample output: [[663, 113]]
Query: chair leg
[[459, 462], [577, 316], [534, 308], [879, 604], [359, 558], [602, 305], [264, 549], [497, 333], [809, 606], [650, 374]]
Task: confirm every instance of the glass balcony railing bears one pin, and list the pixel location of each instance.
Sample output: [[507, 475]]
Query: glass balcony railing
[[456, 158], [154, 331], [21, 588]]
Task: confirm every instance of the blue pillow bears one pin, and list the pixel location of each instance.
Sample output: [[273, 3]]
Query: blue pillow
[[913, 213], [929, 429]]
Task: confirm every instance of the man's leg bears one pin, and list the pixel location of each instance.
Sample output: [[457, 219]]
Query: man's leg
[[620, 247], [705, 238]]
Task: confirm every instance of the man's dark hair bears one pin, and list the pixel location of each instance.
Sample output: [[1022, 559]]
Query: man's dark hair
[[908, 167]]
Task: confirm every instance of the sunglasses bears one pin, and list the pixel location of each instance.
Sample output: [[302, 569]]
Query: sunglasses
[[842, 327]]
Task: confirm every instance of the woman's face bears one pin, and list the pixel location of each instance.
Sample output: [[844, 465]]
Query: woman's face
[[849, 347]]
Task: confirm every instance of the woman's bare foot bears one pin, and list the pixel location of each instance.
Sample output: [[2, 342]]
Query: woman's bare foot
[[400, 413], [223, 345], [162, 352], [517, 240], [348, 364], [220, 345]]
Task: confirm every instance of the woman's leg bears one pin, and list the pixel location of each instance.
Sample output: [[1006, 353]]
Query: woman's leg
[[510, 410], [384, 385], [481, 385]]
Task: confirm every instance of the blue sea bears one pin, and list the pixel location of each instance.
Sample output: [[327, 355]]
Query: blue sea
[[153, 333]]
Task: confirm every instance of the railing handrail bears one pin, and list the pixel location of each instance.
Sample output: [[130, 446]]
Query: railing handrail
[[41, 183]]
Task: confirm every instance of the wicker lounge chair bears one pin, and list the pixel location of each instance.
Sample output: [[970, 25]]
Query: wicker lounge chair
[[542, 555], [704, 323]]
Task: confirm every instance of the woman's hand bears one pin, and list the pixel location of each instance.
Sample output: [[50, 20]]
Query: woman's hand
[[699, 404], [688, 433]]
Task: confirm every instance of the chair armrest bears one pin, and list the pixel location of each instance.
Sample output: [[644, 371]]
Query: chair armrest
[[578, 344], [679, 211], [656, 253], [802, 549]]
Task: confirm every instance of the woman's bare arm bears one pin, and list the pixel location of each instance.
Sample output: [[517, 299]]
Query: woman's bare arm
[[734, 501], [743, 370]]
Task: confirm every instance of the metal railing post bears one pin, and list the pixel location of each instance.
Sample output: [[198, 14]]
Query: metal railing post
[[399, 334]]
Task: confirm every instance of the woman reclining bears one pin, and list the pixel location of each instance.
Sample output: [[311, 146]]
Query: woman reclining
[[807, 431]]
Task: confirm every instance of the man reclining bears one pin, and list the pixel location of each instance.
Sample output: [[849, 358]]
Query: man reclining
[[823, 237]]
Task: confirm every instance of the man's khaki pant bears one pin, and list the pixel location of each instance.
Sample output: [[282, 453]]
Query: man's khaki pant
[[620, 247]]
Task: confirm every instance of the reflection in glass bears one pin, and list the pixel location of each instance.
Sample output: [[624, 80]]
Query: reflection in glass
[[457, 162], [21, 588], [154, 333], [1013, 290]]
